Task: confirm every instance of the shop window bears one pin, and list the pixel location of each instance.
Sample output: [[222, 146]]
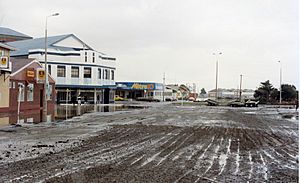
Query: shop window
[[75, 72], [87, 72], [30, 90], [61, 71]]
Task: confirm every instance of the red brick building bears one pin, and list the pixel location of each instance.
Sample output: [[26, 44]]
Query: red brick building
[[25, 85]]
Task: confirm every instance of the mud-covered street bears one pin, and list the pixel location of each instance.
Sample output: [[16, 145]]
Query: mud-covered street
[[163, 143]]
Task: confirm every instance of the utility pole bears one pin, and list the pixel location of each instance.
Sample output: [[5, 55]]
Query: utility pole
[[241, 78], [164, 79], [217, 71], [46, 83], [280, 82]]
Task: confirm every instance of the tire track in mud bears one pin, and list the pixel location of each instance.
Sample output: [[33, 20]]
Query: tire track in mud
[[245, 150]]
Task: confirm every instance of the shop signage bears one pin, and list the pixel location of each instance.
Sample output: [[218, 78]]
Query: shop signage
[[142, 86], [40, 75], [30, 74], [3, 62]]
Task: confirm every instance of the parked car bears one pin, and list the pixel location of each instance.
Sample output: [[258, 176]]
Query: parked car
[[236, 103], [118, 98], [147, 99], [170, 99], [191, 99], [211, 102], [248, 103], [251, 103]]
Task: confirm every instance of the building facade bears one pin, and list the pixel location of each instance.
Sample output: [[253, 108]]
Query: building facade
[[5, 71], [81, 73], [135, 90], [27, 91]]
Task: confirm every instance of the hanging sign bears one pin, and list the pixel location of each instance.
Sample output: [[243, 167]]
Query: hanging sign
[[4, 62], [40, 75]]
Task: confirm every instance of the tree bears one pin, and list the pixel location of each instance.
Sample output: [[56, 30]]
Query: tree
[[289, 92], [203, 92], [263, 93]]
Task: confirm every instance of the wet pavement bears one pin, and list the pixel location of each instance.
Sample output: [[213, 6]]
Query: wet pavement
[[163, 143], [61, 112]]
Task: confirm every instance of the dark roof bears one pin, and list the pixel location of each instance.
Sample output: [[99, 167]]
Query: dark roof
[[7, 46], [39, 43], [18, 63], [10, 32]]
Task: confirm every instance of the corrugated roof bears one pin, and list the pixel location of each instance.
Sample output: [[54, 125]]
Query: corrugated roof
[[10, 32], [39, 43], [7, 46]]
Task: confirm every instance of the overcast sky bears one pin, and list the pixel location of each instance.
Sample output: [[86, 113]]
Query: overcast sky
[[150, 37]]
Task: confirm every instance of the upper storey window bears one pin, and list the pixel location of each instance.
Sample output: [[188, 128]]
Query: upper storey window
[[61, 71], [87, 72]]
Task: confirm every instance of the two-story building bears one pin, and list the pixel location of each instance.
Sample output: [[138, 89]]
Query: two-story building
[[80, 72]]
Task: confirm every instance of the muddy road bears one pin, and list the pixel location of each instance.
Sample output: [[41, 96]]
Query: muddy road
[[164, 143]]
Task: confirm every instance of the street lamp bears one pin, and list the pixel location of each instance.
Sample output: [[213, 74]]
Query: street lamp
[[46, 83], [241, 78], [217, 67], [280, 81]]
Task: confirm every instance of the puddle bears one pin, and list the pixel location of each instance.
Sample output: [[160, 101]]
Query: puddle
[[62, 112]]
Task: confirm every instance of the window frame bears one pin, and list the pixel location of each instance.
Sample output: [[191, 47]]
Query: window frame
[[73, 69], [86, 75], [64, 71]]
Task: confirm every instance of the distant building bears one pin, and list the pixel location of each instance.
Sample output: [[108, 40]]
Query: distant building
[[80, 71], [134, 90], [231, 93], [9, 35], [5, 71]]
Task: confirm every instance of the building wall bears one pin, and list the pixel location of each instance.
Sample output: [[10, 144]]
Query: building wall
[[81, 59], [25, 104], [4, 93], [36, 102], [4, 86]]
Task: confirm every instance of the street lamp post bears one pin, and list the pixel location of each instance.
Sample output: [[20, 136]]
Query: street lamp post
[[164, 79], [241, 78], [280, 82], [46, 71], [217, 70]]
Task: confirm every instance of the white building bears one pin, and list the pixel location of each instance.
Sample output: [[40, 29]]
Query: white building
[[78, 69]]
